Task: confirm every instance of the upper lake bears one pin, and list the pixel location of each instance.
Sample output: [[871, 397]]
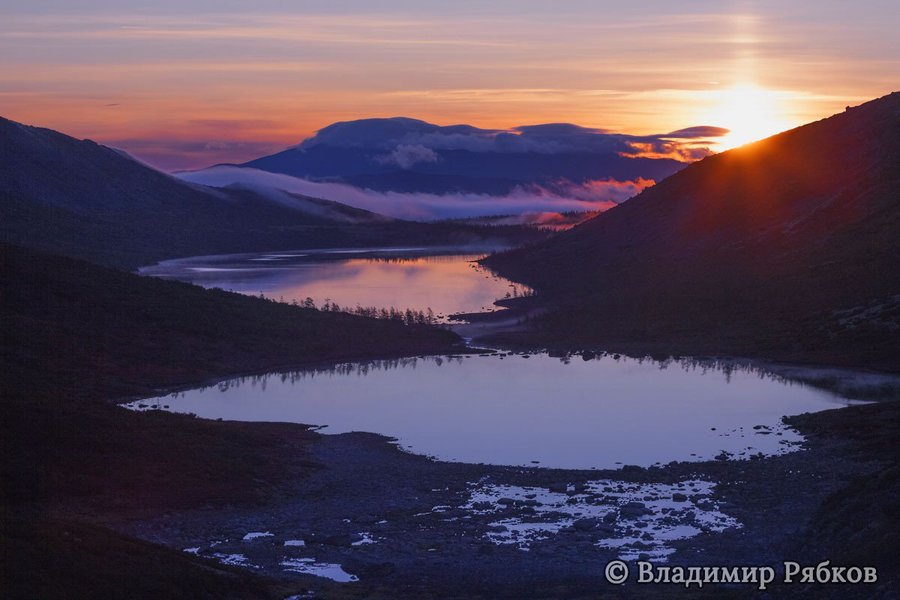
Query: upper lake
[[447, 280]]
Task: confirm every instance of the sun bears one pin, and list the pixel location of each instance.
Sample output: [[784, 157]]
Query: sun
[[750, 112]]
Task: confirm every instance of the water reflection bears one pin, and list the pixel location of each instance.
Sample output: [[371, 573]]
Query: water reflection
[[575, 411], [446, 280]]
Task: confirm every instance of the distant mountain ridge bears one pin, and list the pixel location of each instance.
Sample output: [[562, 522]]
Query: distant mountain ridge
[[765, 245], [400, 154]]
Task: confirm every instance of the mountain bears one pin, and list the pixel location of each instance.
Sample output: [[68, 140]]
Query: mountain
[[82, 199], [788, 246], [408, 155]]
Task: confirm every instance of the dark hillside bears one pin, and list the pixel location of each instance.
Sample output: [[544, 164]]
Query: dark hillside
[[787, 247], [74, 337], [63, 318]]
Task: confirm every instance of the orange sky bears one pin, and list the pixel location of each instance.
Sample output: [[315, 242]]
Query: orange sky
[[187, 84]]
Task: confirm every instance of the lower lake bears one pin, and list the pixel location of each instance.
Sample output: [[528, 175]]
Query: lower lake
[[530, 410]]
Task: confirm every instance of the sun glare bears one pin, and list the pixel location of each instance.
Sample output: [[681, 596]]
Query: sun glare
[[750, 113]]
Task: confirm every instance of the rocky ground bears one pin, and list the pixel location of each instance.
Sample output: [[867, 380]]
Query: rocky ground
[[376, 521]]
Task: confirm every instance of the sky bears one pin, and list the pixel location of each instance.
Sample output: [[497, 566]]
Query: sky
[[185, 84]]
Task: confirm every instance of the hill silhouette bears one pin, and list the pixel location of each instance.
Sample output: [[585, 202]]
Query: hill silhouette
[[787, 247]]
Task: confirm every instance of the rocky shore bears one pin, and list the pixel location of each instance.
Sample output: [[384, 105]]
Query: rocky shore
[[377, 521]]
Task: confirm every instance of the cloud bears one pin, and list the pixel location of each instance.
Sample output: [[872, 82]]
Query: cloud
[[701, 131], [406, 155], [658, 148], [599, 190], [685, 145], [559, 197], [547, 220]]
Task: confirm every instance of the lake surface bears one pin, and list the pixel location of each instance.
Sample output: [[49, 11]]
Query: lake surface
[[447, 280], [510, 409]]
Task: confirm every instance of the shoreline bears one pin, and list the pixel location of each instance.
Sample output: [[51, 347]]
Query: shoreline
[[851, 386], [393, 536]]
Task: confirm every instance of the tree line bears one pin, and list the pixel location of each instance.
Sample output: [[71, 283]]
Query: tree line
[[406, 316]]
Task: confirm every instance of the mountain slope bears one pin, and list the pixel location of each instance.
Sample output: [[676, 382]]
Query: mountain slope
[[82, 199], [762, 245]]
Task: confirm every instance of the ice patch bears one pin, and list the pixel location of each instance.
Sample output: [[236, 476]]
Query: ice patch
[[521, 533], [309, 566], [633, 518], [236, 560], [366, 539]]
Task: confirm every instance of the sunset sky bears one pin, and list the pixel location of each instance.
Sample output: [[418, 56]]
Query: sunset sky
[[186, 84]]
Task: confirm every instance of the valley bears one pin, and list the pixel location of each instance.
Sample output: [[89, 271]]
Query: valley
[[705, 374]]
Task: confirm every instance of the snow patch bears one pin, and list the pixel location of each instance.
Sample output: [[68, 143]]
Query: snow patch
[[633, 518], [309, 566]]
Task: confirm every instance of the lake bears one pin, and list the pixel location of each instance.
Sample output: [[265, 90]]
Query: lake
[[530, 410], [447, 280]]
